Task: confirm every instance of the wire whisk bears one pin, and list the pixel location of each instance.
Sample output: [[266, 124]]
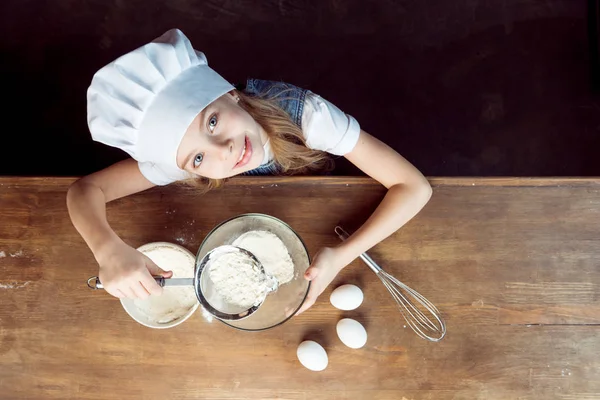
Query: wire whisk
[[418, 312]]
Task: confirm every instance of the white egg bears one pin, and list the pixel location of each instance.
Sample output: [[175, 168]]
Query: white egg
[[351, 333], [312, 355], [347, 297]]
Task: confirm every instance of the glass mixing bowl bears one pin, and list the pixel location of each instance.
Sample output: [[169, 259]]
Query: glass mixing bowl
[[282, 304]]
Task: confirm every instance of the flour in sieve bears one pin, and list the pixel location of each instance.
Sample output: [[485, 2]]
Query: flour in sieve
[[271, 252], [176, 301], [238, 281]]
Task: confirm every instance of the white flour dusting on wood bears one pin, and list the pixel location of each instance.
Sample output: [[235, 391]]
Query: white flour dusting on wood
[[14, 285], [176, 301]]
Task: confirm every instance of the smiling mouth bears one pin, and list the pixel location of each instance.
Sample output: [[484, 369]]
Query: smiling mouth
[[245, 154]]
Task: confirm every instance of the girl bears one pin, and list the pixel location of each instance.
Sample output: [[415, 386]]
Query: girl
[[180, 120]]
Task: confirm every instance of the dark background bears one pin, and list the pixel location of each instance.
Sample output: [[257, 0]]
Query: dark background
[[461, 87]]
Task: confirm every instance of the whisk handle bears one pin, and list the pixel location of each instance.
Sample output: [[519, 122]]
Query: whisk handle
[[370, 263], [343, 235]]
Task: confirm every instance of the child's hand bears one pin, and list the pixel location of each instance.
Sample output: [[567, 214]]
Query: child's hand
[[323, 269], [125, 272]]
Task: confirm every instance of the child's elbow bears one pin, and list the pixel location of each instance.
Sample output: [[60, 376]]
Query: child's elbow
[[73, 192], [424, 191]]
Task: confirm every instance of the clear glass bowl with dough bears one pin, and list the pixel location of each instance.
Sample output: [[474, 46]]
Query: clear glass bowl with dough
[[176, 304], [281, 305]]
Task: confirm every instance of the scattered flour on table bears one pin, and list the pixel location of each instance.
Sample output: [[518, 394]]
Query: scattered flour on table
[[175, 302], [237, 280], [2, 254], [14, 285]]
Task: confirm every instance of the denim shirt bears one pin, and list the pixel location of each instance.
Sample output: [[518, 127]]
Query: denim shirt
[[291, 101]]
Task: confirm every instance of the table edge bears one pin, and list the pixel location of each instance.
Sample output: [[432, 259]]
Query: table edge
[[350, 180]]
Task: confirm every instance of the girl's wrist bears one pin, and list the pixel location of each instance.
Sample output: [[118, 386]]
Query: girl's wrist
[[105, 247], [345, 254]]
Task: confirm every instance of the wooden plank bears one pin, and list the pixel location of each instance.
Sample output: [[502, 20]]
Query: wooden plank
[[506, 182], [513, 269]]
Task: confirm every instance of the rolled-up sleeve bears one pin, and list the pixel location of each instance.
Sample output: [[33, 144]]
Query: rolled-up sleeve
[[327, 128]]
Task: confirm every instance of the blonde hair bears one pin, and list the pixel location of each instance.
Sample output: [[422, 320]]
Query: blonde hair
[[290, 153]]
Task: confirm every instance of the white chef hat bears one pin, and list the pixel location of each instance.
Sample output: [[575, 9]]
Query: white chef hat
[[144, 101]]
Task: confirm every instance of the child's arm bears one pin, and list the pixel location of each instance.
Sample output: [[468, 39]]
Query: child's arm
[[124, 271], [408, 192]]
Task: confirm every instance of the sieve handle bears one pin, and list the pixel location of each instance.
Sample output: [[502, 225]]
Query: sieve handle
[[94, 282], [343, 235]]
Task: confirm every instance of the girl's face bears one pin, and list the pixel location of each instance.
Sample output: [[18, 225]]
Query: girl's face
[[222, 141]]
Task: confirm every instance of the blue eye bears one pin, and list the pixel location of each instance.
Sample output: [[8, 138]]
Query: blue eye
[[212, 122], [198, 160]]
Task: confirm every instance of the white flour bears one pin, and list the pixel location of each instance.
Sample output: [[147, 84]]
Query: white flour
[[176, 301], [271, 252], [238, 282]]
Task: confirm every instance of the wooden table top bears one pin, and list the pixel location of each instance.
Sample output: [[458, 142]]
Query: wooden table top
[[513, 265]]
